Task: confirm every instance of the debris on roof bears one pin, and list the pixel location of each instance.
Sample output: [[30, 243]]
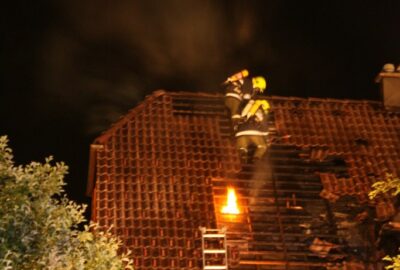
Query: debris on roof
[[162, 171]]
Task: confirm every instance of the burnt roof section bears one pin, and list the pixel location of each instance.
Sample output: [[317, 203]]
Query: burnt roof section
[[162, 171]]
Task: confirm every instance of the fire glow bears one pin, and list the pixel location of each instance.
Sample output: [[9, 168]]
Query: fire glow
[[231, 206]]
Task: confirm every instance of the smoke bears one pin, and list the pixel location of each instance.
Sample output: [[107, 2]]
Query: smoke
[[261, 177], [101, 58], [97, 59]]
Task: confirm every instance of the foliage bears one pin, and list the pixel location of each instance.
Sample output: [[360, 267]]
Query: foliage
[[390, 186], [395, 262], [39, 225]]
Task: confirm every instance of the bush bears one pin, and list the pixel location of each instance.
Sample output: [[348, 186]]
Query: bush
[[39, 225]]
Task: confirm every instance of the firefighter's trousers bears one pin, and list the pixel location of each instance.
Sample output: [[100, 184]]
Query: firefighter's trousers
[[245, 141], [233, 105]]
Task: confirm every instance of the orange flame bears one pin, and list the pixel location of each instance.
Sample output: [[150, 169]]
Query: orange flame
[[231, 206]]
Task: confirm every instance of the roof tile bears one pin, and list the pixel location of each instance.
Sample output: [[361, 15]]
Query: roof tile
[[165, 166]]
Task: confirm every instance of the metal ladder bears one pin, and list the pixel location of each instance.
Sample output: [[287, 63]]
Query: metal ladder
[[214, 236]]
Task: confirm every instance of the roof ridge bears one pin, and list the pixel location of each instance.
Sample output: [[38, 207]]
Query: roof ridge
[[161, 92], [336, 100]]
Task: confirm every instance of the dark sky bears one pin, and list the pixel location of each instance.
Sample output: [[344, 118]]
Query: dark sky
[[70, 68]]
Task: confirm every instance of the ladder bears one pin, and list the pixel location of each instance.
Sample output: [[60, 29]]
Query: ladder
[[213, 244]]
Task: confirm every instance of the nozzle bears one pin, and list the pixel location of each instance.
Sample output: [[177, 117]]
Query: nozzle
[[238, 76]]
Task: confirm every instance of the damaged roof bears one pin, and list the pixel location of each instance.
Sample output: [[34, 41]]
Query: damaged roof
[[162, 171]]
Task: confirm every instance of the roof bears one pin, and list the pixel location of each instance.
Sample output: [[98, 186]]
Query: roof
[[162, 170]]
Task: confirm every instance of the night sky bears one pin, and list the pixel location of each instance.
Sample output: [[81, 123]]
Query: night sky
[[70, 68]]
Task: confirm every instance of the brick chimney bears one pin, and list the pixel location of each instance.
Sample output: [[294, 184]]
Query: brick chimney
[[389, 80]]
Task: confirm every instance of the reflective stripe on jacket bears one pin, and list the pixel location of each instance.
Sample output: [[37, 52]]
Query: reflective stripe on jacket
[[253, 127]]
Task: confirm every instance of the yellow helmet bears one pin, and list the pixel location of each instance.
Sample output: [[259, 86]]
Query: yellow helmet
[[260, 83]]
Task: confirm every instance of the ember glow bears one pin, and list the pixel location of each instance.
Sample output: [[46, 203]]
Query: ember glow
[[231, 206]]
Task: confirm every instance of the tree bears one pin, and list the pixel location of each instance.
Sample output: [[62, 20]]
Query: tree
[[389, 186], [39, 225]]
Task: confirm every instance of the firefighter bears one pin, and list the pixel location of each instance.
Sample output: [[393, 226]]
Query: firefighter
[[240, 88], [253, 129]]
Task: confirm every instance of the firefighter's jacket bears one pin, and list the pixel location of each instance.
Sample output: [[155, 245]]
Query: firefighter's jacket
[[241, 89], [256, 125]]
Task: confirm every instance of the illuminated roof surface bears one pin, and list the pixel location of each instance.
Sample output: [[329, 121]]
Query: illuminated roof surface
[[163, 169]]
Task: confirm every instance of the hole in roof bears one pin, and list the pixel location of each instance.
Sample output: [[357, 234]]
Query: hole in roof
[[296, 112], [337, 112], [343, 175], [338, 162], [361, 142], [296, 103]]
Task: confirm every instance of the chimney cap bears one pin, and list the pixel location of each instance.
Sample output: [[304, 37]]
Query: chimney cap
[[388, 71], [388, 67]]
